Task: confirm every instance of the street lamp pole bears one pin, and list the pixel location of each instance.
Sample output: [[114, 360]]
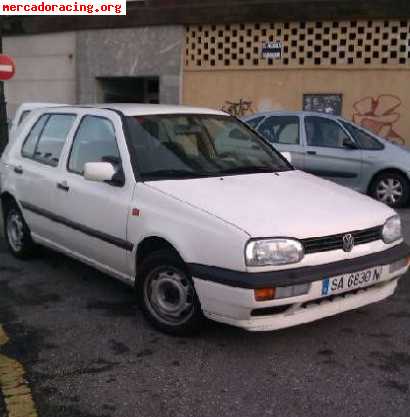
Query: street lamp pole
[[4, 130]]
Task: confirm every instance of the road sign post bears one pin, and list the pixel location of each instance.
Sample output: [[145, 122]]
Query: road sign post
[[7, 70], [4, 129]]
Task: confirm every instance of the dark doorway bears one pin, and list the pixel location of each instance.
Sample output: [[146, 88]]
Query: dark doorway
[[129, 89]]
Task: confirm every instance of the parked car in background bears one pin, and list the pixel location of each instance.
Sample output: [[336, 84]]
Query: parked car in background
[[197, 212], [23, 111], [334, 148]]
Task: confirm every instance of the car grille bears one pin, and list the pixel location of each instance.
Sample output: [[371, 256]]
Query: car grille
[[335, 242]]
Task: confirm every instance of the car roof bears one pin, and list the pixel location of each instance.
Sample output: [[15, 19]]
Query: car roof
[[37, 105], [290, 113], [132, 109]]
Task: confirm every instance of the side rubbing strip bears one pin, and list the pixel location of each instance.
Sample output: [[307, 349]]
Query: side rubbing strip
[[123, 244]]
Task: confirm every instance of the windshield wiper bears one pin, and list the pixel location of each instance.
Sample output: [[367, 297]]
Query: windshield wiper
[[172, 173], [248, 170]]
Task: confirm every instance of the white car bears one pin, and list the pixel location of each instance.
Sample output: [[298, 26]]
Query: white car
[[199, 213]]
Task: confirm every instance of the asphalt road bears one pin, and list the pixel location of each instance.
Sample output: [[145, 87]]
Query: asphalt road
[[88, 352]]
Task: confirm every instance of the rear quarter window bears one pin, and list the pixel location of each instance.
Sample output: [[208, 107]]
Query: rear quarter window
[[23, 116], [31, 140]]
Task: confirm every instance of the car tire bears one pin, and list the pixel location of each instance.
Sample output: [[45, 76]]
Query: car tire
[[17, 233], [391, 188], [167, 296]]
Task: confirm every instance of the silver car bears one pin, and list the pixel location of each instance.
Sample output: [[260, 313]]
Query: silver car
[[334, 148]]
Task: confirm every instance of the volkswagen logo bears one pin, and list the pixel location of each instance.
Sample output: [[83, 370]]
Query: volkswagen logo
[[348, 243]]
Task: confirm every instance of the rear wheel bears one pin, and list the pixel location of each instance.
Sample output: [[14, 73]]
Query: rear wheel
[[18, 235], [167, 295], [391, 188]]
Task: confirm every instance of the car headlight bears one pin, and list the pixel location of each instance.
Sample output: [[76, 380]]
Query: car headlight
[[392, 230], [273, 252]]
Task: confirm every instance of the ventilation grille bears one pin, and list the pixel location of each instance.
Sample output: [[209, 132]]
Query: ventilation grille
[[338, 43], [335, 242]]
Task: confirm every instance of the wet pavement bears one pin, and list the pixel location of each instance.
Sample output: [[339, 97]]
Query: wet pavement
[[88, 352]]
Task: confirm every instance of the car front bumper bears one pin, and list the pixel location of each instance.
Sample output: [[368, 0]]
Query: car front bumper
[[235, 303]]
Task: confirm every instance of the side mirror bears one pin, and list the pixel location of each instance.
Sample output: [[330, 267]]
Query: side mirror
[[287, 156], [99, 171], [349, 144]]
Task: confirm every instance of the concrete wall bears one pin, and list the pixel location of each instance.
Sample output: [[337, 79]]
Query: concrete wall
[[45, 69], [151, 51]]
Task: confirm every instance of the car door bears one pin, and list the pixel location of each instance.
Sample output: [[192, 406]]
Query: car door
[[284, 134], [331, 152], [374, 157], [95, 213], [35, 169]]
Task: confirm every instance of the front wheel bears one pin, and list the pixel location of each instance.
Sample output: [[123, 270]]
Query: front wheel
[[392, 189], [18, 235], [167, 295]]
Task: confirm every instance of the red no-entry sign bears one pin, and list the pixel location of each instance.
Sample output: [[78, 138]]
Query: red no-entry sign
[[7, 67]]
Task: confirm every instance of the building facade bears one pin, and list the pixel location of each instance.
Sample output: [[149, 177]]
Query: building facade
[[336, 56], [356, 68]]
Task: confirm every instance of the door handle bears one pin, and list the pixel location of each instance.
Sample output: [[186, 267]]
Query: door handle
[[63, 186], [311, 152], [18, 170]]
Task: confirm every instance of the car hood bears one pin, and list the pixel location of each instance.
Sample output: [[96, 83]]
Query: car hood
[[292, 204], [395, 153]]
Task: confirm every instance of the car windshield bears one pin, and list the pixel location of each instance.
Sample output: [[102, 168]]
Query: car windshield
[[195, 145]]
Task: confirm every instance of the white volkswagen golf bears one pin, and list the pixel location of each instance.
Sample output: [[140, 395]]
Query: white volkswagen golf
[[197, 212]]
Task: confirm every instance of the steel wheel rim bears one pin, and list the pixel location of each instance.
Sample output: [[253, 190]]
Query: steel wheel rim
[[389, 190], [169, 295], [15, 231]]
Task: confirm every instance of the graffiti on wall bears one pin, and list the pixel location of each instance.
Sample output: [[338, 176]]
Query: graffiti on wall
[[379, 115], [238, 108]]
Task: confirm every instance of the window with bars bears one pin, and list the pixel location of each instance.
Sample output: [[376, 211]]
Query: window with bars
[[337, 43]]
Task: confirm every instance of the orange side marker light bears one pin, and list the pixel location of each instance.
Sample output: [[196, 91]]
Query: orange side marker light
[[265, 294]]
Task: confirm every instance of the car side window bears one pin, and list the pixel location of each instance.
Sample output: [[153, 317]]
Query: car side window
[[324, 132], [281, 129], [30, 142], [254, 122], [52, 138], [364, 140], [94, 141]]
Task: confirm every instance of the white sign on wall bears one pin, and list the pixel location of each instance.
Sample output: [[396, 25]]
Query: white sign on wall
[[272, 50]]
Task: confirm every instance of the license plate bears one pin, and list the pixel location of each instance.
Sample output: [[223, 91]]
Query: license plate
[[351, 281]]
